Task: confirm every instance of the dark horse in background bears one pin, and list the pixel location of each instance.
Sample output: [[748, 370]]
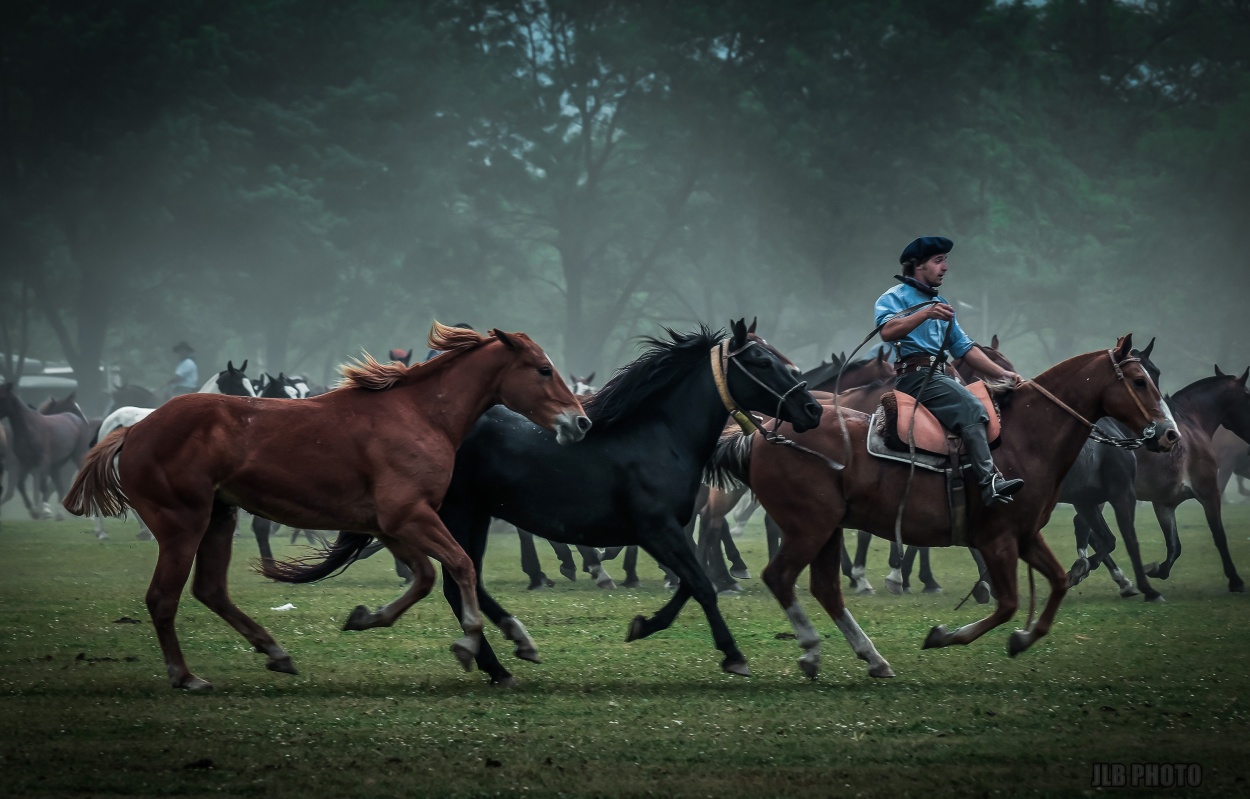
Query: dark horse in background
[[318, 464], [42, 446], [812, 502], [1190, 471], [633, 480]]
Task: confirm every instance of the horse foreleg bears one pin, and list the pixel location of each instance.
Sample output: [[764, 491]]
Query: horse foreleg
[[262, 528], [825, 587], [529, 562], [671, 550], [1037, 554], [631, 567], [212, 564], [1000, 562], [1210, 500], [592, 564], [421, 584], [1167, 522], [931, 585]]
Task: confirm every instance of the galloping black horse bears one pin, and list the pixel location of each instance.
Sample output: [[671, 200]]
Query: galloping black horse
[[632, 480]]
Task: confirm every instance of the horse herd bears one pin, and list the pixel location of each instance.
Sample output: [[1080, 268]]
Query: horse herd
[[422, 458]]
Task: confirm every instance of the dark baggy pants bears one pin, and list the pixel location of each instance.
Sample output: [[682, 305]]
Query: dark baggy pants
[[953, 405]]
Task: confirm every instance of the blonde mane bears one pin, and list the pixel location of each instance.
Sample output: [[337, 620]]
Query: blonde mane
[[366, 372]]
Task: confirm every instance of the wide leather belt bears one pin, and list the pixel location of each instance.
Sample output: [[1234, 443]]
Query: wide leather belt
[[912, 363]]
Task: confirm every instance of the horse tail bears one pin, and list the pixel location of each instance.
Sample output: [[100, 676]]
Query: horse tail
[[729, 467], [97, 490], [326, 562]]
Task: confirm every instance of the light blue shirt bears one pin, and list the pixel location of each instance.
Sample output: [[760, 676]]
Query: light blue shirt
[[188, 374], [929, 335]]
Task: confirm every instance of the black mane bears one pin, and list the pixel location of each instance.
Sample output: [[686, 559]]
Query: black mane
[[826, 372], [664, 364]]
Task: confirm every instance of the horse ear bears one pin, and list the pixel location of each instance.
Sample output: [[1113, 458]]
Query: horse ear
[[1149, 348], [229, 366], [243, 368], [408, 356], [754, 319], [1244, 376], [508, 341], [1124, 347], [880, 356], [994, 341], [590, 378], [739, 330], [1219, 372]]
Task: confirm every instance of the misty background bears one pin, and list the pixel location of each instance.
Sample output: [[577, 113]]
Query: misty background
[[293, 182]]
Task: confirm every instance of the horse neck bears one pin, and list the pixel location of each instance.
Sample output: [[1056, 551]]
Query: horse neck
[[1201, 407], [473, 376], [1033, 422], [22, 419], [693, 413]]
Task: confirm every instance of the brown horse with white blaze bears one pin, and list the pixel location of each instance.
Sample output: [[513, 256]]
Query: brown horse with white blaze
[[374, 455], [1045, 421]]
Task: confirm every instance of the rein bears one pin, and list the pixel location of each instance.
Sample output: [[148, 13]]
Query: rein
[[722, 357], [1095, 433]]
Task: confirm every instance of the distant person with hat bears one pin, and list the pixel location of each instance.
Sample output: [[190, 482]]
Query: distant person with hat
[[921, 340], [186, 379]]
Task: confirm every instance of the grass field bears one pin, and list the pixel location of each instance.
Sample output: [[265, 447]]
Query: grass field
[[86, 708]]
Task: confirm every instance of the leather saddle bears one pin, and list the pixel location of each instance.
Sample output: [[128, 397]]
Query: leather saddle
[[894, 417]]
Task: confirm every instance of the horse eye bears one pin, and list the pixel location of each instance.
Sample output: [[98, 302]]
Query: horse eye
[[545, 371], [1139, 382]]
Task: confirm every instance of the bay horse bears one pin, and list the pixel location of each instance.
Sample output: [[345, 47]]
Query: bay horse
[[1045, 421], [42, 447], [319, 463], [633, 480]]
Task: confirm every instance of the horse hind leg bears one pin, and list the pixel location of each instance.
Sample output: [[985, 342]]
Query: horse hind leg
[[801, 541], [178, 534], [212, 563], [1000, 563], [825, 587]]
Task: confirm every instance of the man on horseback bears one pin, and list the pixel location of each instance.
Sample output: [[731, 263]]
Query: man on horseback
[[186, 379], [922, 339]]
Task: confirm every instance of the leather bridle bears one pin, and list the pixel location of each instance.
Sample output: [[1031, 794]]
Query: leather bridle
[[1094, 432]]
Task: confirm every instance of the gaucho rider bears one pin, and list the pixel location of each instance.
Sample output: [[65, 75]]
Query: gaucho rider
[[921, 339]]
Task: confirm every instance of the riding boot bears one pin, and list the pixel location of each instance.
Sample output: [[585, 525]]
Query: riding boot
[[994, 487]]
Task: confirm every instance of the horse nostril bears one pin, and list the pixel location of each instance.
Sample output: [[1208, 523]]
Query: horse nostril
[[813, 408], [583, 423]]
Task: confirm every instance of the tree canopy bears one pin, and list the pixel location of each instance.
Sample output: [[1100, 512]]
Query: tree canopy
[[295, 181]]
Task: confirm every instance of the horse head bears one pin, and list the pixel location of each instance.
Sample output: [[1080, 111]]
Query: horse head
[[527, 384], [234, 382], [758, 377], [1134, 399], [1237, 410]]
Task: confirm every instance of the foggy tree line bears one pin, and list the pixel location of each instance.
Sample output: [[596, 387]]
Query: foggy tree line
[[298, 180]]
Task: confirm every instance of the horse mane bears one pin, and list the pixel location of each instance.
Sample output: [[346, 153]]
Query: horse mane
[[367, 372], [659, 368]]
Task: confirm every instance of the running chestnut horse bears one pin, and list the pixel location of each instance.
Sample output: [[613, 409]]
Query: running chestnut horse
[[1045, 422], [319, 464]]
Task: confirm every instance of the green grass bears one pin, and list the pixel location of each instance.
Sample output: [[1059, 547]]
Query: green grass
[[86, 708]]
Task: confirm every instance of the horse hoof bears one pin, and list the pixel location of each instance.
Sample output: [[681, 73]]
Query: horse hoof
[[732, 589], [463, 651], [1078, 572], [193, 683], [540, 585], [933, 589], [1019, 641], [632, 583], [894, 586], [607, 585], [102, 536], [811, 668], [1152, 569], [936, 638], [865, 590], [738, 667], [527, 653], [1237, 588], [1155, 596], [881, 670], [569, 573], [503, 682], [360, 619], [740, 574], [981, 593], [283, 665], [1130, 591], [637, 629]]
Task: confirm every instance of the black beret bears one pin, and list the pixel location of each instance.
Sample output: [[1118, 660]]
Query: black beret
[[925, 247]]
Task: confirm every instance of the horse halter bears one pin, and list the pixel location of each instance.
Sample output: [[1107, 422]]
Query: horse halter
[[722, 356], [1148, 432]]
